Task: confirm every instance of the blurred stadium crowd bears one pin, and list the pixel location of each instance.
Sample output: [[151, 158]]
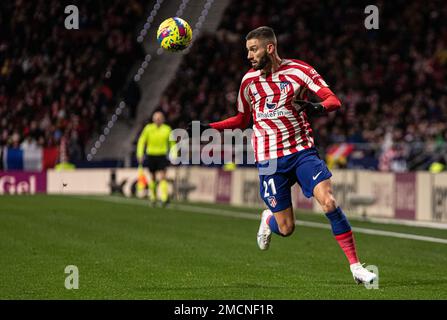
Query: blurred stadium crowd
[[392, 81], [57, 84], [61, 85]]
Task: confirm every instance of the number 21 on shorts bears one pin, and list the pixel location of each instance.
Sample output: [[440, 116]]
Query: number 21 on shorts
[[268, 183]]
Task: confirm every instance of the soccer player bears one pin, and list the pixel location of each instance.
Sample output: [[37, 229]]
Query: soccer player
[[155, 138], [275, 91]]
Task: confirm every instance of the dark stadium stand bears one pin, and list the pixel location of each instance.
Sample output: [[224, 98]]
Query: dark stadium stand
[[56, 83]]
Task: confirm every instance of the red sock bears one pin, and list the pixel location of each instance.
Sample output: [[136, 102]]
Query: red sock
[[347, 243]]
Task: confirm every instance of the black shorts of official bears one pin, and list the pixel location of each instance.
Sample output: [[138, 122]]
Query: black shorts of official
[[157, 163]]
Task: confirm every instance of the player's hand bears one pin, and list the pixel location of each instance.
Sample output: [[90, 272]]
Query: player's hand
[[314, 109], [202, 126]]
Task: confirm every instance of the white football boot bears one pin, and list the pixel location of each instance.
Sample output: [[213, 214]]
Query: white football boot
[[361, 274], [264, 232]]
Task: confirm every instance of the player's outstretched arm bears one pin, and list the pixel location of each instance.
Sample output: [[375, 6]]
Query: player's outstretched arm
[[239, 121]]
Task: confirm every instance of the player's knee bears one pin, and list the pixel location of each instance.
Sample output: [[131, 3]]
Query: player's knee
[[328, 204], [287, 229]]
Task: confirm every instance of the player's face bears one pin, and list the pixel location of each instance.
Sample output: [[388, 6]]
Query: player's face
[[257, 54], [158, 118]]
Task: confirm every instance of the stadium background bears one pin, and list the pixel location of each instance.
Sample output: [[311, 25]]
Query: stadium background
[[81, 97]]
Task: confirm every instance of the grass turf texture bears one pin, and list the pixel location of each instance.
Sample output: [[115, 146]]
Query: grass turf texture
[[126, 250]]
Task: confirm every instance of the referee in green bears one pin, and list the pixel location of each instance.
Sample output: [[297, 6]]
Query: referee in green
[[154, 141]]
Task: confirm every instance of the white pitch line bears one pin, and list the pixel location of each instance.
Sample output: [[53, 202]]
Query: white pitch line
[[251, 216], [409, 223]]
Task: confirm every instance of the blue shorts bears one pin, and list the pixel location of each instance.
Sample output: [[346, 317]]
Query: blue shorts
[[304, 167]]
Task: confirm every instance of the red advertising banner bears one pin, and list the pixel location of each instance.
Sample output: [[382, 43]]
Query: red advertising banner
[[301, 201], [405, 196], [223, 188], [19, 182]]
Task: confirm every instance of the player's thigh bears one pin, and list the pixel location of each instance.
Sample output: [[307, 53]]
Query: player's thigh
[[275, 191], [310, 172]]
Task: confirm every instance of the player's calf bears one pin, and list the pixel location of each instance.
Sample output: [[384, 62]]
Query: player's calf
[[282, 222], [164, 191], [287, 229], [153, 191], [269, 224]]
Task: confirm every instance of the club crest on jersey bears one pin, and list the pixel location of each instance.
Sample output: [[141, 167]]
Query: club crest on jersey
[[272, 201], [284, 85]]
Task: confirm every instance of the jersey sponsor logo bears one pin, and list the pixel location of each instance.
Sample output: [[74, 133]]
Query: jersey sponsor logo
[[272, 201], [273, 114], [271, 106]]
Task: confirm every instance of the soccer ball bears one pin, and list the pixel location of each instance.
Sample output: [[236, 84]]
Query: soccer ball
[[174, 34]]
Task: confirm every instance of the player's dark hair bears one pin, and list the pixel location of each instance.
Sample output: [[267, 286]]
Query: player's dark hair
[[158, 110], [262, 33]]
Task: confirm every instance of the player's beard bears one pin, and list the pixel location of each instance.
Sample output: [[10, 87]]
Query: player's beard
[[263, 62]]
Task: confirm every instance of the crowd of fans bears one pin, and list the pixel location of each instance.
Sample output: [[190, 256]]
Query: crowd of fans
[[56, 82], [392, 81]]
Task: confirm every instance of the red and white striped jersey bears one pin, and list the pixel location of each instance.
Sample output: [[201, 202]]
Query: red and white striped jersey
[[278, 129]]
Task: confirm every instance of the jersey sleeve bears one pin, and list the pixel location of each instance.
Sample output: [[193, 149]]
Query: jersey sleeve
[[312, 79]]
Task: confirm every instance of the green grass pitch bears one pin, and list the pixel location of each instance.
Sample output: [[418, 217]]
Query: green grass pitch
[[126, 250]]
